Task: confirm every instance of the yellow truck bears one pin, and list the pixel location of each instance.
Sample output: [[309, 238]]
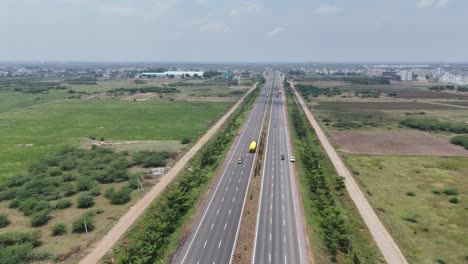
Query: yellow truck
[[253, 147]]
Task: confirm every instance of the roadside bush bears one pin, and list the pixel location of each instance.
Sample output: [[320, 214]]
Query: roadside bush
[[450, 191], [59, 229], [109, 192], [78, 225], [454, 200], [62, 204], [436, 192], [151, 158], [411, 193], [40, 218], [85, 200], [4, 221], [185, 140], [121, 196]]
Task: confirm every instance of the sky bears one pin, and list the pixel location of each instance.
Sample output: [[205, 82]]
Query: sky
[[234, 30]]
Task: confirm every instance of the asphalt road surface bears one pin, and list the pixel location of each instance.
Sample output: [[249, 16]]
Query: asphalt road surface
[[279, 237], [213, 239]]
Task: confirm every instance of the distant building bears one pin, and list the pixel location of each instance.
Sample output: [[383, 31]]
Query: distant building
[[406, 75], [391, 76], [171, 73]]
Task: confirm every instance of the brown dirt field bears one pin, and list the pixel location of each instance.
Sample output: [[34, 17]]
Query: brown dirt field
[[352, 106], [395, 143], [324, 83], [429, 95]]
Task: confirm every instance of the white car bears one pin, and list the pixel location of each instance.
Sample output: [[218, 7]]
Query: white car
[[293, 159]]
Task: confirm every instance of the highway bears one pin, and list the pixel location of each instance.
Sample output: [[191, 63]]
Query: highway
[[213, 238], [279, 233]]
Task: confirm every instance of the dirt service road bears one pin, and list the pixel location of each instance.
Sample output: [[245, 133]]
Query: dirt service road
[[385, 242]]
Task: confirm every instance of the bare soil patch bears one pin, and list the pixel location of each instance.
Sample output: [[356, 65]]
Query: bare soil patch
[[395, 143], [429, 95]]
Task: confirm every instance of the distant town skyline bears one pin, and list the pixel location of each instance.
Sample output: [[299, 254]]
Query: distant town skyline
[[400, 31]]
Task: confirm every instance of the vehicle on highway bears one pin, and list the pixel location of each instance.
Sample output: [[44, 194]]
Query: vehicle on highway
[[274, 125], [239, 160], [293, 159], [282, 157], [253, 147]]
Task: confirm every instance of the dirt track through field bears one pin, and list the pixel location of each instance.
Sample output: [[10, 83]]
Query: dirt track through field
[[100, 248], [385, 242]]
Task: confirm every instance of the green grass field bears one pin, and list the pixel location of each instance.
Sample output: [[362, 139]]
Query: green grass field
[[29, 133], [407, 193], [11, 101]]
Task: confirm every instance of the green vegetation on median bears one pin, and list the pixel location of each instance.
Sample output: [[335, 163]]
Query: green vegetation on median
[[155, 235], [336, 231]]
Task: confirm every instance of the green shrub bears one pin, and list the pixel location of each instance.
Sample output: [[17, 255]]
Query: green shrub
[[78, 225], [450, 191], [8, 194], [454, 200], [22, 253], [109, 193], [84, 183], [85, 200], [95, 191], [40, 218], [460, 141], [121, 196], [151, 158], [411, 219], [62, 204], [4, 221], [68, 177], [54, 171], [429, 124], [59, 229], [133, 183], [18, 237], [68, 189], [436, 192], [185, 140], [33, 205], [441, 261], [411, 193]]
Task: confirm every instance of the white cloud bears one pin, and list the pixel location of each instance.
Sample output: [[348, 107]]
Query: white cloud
[[214, 27], [273, 33], [114, 10], [328, 10], [244, 9], [432, 3]]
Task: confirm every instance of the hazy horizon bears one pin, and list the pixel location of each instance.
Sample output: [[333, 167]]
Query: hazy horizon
[[255, 31]]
